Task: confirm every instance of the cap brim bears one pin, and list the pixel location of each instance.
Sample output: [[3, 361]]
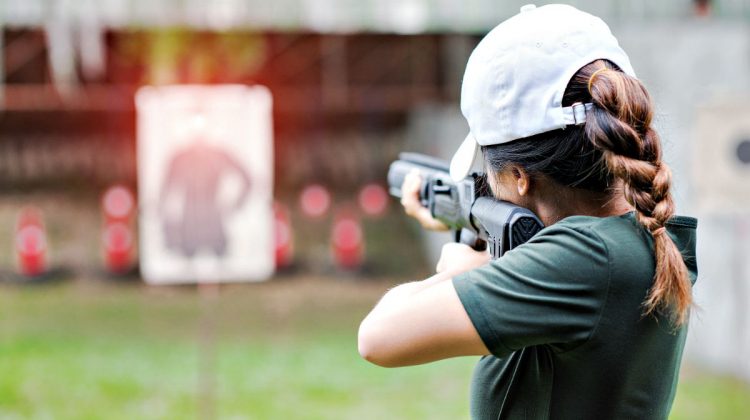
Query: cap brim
[[463, 159]]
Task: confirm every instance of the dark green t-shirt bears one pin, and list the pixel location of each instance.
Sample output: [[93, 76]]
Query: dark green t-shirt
[[562, 317]]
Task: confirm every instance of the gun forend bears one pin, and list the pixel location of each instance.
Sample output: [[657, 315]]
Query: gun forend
[[426, 165], [465, 206]]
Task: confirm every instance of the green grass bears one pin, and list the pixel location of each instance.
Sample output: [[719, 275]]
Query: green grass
[[282, 350], [704, 396], [72, 351]]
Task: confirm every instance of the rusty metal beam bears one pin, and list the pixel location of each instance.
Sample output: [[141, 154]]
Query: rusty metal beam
[[2, 65], [394, 98], [21, 50]]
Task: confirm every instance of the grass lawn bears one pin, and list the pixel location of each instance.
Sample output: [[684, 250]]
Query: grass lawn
[[89, 349]]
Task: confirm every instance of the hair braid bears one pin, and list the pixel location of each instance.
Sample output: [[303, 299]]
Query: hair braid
[[631, 151]]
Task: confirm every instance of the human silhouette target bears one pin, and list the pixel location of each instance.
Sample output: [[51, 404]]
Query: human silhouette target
[[194, 175], [205, 183]]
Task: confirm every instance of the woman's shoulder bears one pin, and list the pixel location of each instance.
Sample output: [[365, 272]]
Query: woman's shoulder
[[625, 224], [597, 242], [619, 233], [594, 228], [623, 239]]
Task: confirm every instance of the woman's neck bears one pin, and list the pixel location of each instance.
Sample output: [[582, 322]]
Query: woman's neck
[[554, 202]]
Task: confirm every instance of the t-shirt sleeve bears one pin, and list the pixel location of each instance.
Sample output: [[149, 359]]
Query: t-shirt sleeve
[[550, 290]]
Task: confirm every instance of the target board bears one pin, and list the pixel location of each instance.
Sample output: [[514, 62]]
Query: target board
[[205, 182], [721, 158]]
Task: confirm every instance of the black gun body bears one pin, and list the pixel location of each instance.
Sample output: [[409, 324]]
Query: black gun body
[[467, 207]]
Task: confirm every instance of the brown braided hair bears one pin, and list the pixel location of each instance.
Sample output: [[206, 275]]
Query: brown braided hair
[[617, 142], [621, 129]]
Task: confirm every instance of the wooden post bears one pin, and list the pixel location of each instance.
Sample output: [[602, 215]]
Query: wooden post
[[209, 294]]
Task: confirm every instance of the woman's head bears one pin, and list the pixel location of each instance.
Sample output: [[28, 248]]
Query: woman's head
[[553, 102], [516, 77], [615, 152], [569, 157]]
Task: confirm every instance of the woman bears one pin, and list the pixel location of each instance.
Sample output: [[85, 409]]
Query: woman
[[587, 319]]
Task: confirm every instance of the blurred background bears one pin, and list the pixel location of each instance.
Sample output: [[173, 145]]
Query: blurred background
[[353, 83]]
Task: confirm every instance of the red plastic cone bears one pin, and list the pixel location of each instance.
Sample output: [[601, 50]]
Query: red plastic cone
[[31, 242], [347, 240], [118, 207], [284, 237], [118, 247]]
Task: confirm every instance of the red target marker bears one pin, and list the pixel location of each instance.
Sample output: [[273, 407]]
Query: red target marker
[[31, 242], [373, 199], [347, 242], [118, 207], [315, 200], [118, 203], [284, 238]]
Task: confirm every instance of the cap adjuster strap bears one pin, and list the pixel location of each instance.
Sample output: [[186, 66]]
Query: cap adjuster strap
[[576, 113]]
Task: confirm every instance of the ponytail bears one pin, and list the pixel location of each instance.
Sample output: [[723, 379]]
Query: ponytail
[[619, 125]]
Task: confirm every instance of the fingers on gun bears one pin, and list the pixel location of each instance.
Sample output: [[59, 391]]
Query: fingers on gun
[[412, 205], [410, 193]]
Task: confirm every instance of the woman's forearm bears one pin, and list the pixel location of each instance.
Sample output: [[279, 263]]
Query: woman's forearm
[[403, 292], [416, 323], [455, 259], [402, 329]]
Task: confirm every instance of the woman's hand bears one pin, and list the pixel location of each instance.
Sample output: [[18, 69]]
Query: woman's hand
[[412, 206], [457, 258]]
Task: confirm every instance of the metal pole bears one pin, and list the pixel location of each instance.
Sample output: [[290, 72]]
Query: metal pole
[[334, 75], [741, 291]]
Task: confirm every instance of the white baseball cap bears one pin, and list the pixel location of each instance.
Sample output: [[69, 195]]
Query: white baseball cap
[[516, 77]]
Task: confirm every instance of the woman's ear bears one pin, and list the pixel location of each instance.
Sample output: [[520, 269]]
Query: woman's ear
[[523, 180]]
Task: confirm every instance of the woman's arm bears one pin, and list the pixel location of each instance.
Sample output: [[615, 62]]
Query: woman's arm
[[423, 321]]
